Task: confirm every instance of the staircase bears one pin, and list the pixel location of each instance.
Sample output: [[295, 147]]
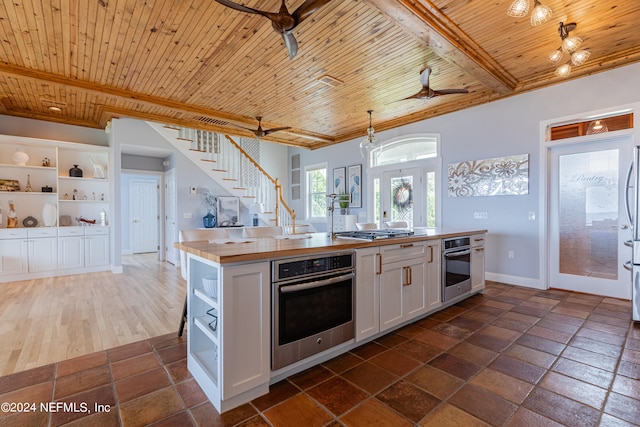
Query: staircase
[[225, 161]]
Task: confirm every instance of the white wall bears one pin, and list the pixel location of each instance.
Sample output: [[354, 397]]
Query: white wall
[[505, 127]]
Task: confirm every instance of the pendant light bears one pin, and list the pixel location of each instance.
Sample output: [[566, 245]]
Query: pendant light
[[570, 45], [539, 15], [370, 142]]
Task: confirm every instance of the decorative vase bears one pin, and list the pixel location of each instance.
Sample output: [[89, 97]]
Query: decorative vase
[[20, 158], [75, 172], [49, 215], [344, 211], [209, 220]]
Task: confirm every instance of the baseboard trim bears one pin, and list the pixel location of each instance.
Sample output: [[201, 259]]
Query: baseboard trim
[[515, 280]]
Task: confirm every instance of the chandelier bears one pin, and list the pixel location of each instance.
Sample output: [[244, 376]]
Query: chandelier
[[570, 45], [370, 142], [539, 15]]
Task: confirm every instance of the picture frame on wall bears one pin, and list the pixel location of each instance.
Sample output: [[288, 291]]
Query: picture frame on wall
[[354, 185], [228, 210], [339, 183]]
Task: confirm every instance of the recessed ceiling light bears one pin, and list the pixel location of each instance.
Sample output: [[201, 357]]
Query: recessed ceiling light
[[55, 109]]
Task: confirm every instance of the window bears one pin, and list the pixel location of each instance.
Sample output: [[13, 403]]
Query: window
[[316, 194], [405, 149]]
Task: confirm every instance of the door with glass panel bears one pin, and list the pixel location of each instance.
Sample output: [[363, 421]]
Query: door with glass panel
[[403, 197], [587, 224]]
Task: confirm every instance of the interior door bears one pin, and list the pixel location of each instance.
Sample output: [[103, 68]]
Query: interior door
[[171, 233], [144, 215], [402, 197], [588, 224]]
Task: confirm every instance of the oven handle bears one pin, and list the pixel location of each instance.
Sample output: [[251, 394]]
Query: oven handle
[[459, 253], [317, 284]]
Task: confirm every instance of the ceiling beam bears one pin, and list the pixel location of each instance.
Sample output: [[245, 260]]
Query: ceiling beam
[[149, 100], [422, 20]]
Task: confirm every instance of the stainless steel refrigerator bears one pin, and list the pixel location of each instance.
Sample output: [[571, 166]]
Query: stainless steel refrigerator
[[632, 199]]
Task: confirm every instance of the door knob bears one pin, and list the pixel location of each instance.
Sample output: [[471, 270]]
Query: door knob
[[624, 226]]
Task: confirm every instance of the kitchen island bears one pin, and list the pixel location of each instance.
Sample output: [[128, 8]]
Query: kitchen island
[[229, 328]]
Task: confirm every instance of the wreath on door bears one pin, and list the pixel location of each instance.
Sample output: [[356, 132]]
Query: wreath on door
[[403, 196]]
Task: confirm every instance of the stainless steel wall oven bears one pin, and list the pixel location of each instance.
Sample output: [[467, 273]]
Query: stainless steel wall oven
[[456, 267], [313, 305]]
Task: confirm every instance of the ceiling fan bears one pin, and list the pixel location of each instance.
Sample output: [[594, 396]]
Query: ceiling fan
[[283, 22], [426, 92], [259, 132]]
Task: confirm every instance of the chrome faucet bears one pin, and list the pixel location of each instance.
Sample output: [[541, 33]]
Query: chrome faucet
[[333, 198]]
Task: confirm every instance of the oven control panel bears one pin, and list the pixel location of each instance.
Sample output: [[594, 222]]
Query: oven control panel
[[456, 242], [287, 269]]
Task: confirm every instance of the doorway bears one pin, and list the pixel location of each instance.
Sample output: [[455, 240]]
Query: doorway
[[143, 205], [398, 203], [587, 223]]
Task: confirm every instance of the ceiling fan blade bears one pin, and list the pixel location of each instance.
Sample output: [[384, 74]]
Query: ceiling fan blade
[[272, 130], [291, 43], [307, 8], [424, 76], [448, 91], [239, 7]]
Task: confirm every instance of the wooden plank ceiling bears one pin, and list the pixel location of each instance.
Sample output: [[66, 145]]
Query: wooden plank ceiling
[[197, 63]]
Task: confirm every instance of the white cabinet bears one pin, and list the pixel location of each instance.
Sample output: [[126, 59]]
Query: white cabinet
[[44, 181], [14, 253], [368, 267], [80, 247], [344, 222], [229, 336], [394, 284], [477, 262], [42, 248], [24, 251]]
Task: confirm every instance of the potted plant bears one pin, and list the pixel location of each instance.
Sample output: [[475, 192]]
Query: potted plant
[[343, 201]]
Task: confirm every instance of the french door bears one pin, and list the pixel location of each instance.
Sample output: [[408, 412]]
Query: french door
[[403, 196], [587, 222]]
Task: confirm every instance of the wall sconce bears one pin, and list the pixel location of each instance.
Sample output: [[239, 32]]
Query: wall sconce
[[540, 14], [570, 45]]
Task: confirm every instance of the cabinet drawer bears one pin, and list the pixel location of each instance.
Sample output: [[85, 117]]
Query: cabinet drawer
[[70, 231], [13, 233], [42, 232], [477, 240], [392, 253], [96, 231]]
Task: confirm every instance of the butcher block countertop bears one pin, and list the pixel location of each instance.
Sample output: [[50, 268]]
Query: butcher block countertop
[[269, 248]]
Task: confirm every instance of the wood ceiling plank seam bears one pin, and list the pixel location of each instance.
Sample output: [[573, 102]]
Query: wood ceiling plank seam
[[8, 35], [180, 55], [142, 53], [146, 48], [60, 35], [87, 16], [259, 34], [37, 35], [68, 20], [48, 39], [115, 26], [18, 28], [190, 58]]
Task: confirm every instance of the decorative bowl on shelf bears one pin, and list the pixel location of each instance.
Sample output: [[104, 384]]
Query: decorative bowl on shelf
[[210, 284], [20, 158]]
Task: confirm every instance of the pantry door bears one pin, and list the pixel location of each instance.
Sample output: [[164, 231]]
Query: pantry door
[[588, 224]]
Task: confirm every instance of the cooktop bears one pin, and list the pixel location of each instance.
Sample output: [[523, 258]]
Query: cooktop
[[374, 234]]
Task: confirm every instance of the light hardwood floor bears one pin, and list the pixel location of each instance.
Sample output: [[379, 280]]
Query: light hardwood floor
[[53, 319]]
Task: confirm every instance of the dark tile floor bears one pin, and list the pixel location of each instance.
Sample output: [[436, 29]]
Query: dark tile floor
[[513, 357]]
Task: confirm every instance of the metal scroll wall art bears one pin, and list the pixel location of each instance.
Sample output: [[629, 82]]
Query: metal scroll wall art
[[500, 176]]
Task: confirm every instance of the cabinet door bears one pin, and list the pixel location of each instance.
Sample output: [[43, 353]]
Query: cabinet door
[[367, 292], [477, 268], [71, 252], [96, 249], [434, 276], [14, 257], [43, 254], [245, 300], [392, 280], [414, 298]]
